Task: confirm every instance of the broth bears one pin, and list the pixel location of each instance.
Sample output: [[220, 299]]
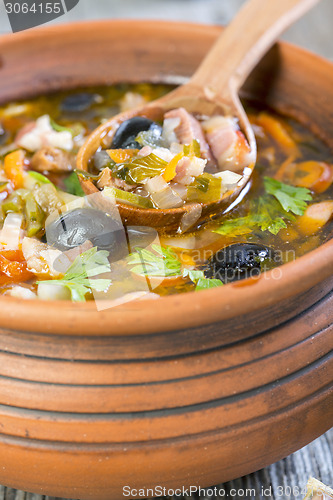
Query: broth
[[261, 231]]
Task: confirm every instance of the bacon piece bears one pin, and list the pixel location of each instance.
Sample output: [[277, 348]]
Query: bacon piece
[[228, 143], [189, 129]]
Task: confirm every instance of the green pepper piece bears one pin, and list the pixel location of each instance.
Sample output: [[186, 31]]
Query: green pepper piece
[[205, 189], [34, 216], [13, 203]]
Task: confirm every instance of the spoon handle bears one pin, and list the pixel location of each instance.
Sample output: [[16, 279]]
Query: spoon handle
[[244, 42]]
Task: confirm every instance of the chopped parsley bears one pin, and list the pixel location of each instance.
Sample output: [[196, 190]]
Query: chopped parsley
[[77, 278]]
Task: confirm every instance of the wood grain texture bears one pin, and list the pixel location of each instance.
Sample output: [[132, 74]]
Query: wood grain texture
[[197, 388]]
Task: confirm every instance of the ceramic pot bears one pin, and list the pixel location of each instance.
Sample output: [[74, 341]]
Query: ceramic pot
[[186, 390]]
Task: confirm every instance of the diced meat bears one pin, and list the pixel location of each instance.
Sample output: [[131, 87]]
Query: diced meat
[[107, 180], [188, 168], [50, 159], [189, 129], [39, 134], [40, 258], [227, 143], [145, 151]]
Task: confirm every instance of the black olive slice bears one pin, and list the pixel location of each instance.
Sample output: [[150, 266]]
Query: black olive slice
[[126, 133], [75, 103], [238, 261], [73, 228]]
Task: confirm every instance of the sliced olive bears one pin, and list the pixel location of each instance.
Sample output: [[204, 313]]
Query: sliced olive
[[126, 133], [73, 228], [238, 261], [75, 103]]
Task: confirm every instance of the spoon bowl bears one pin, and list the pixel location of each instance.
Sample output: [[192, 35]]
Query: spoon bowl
[[212, 91]]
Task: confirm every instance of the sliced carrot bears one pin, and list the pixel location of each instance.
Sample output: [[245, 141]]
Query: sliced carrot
[[315, 217], [314, 175], [13, 268], [283, 172], [120, 155], [278, 131], [170, 170], [14, 168]]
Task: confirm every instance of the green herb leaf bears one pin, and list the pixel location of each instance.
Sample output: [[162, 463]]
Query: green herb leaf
[[73, 185], [88, 265], [202, 283], [60, 128], [292, 199], [161, 262], [206, 283], [237, 226]]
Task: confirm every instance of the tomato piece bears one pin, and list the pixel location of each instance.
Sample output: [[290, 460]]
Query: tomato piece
[[13, 268]]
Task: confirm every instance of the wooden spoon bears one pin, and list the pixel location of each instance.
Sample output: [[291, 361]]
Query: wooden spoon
[[213, 90]]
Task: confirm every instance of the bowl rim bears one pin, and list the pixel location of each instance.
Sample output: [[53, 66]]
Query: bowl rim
[[171, 312]]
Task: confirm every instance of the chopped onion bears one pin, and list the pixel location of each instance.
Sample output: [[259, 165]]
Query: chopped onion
[[183, 242], [11, 233], [163, 153], [51, 291], [20, 292], [167, 199], [191, 216], [196, 166], [156, 184], [180, 189], [169, 126], [229, 178]]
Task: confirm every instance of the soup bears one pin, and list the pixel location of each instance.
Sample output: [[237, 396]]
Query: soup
[[57, 243]]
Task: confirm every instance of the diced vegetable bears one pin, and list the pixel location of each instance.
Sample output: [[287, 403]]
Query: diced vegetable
[[13, 203], [314, 175], [143, 168], [170, 170], [276, 129], [205, 189], [14, 168], [167, 198], [315, 217], [127, 197], [34, 216], [13, 268], [192, 149], [48, 198], [11, 234], [121, 155], [79, 279]]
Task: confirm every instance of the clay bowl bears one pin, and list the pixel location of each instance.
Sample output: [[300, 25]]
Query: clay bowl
[[185, 390]]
